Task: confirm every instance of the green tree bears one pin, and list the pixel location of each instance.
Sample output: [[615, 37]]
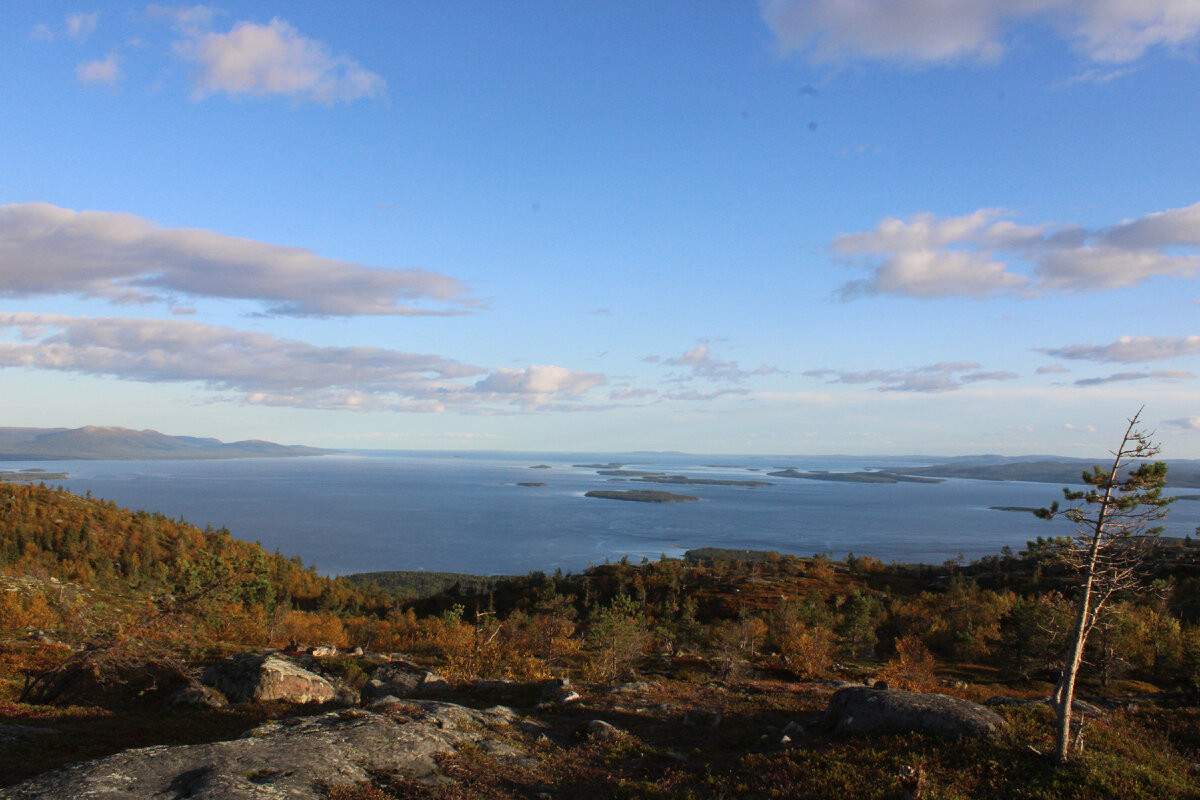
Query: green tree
[[1114, 516]]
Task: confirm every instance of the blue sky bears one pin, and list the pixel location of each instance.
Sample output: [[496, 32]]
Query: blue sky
[[797, 226]]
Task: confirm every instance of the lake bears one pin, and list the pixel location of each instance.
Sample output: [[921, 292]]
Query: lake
[[463, 512]]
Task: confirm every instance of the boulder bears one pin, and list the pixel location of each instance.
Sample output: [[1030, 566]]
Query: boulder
[[197, 695], [866, 710], [402, 679], [260, 677], [298, 759], [600, 730]]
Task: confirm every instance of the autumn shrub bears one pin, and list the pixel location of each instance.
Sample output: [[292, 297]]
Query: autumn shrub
[[807, 651], [911, 668]]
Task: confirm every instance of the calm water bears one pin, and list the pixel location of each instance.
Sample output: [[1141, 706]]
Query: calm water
[[464, 513]]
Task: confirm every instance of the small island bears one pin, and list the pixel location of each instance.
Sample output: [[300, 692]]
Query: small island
[[612, 465], [530, 483], [642, 496], [541, 466], [1026, 509], [875, 476], [628, 473]]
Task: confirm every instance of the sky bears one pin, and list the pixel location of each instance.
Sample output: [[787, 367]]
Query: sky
[[793, 226]]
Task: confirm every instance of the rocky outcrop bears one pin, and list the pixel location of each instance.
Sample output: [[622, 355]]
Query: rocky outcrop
[[402, 679], [860, 709], [297, 759], [266, 676]]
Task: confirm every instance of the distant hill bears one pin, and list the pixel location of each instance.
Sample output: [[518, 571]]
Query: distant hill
[[1182, 473], [109, 443]]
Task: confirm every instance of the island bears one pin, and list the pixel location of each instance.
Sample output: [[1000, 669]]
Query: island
[[873, 476], [613, 465], [530, 483], [642, 496], [541, 466], [628, 473], [1026, 509], [684, 480]]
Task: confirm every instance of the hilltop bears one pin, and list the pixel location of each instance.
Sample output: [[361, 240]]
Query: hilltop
[[709, 676], [112, 443]]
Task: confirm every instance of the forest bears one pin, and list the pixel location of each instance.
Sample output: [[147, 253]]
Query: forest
[[80, 572]]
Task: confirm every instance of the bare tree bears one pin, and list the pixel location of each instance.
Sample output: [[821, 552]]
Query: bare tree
[[1115, 515]]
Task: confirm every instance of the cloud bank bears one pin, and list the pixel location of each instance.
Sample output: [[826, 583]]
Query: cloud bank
[[945, 376], [1170, 375], [47, 250], [268, 370], [929, 257], [1130, 350], [933, 31]]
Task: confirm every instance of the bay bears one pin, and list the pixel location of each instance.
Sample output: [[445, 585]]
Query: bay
[[464, 512]]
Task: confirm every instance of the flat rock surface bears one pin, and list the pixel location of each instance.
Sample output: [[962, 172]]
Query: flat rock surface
[[296, 759], [860, 709]]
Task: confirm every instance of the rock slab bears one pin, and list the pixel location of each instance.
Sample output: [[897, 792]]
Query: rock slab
[[298, 759], [860, 709]]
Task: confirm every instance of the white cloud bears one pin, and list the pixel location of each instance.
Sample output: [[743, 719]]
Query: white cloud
[[81, 26], [46, 250], [42, 33], [1087, 428], [267, 370], [935, 31], [107, 71], [983, 255], [1053, 369], [1170, 375], [945, 376], [1187, 423], [1128, 349], [271, 59], [539, 382]]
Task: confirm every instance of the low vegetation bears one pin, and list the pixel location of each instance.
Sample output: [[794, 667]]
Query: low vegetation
[[139, 602]]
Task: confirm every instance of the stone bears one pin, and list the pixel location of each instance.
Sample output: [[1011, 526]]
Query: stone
[[260, 677], [871, 710], [196, 695], [600, 730], [322, 651], [298, 759]]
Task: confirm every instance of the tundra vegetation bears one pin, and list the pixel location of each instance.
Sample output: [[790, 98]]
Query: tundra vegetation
[[104, 611]]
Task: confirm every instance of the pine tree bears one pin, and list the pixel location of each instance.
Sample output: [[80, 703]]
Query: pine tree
[[1114, 516]]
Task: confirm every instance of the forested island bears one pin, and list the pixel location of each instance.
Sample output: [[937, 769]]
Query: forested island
[[641, 496], [872, 476]]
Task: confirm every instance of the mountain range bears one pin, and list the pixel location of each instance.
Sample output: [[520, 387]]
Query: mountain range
[[112, 443]]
